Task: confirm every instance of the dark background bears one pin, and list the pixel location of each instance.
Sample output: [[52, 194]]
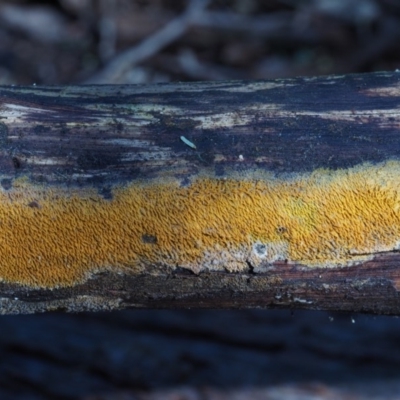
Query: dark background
[[150, 354], [70, 41]]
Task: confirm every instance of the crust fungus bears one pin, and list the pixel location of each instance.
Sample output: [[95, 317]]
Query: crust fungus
[[55, 237]]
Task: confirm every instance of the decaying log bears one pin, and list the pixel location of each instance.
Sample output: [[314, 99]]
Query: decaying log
[[278, 193]]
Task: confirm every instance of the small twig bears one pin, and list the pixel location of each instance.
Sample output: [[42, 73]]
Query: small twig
[[150, 46], [107, 31], [265, 25]]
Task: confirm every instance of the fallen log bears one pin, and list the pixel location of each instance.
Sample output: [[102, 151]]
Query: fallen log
[[275, 194]]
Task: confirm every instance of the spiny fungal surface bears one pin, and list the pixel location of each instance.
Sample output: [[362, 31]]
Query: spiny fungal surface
[[56, 237]]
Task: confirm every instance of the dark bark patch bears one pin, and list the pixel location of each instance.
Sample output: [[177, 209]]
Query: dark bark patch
[[16, 162], [96, 160], [3, 134], [34, 204], [106, 192], [151, 239], [6, 184]]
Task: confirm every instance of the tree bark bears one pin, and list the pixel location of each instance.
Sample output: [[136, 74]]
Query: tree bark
[[269, 194]]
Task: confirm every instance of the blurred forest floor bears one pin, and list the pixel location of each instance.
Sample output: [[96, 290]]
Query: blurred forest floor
[[138, 41], [196, 354]]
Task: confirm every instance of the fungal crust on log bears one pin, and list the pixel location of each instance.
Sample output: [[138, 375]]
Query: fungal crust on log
[[53, 237]]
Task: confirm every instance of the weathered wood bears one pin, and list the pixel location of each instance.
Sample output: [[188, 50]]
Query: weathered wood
[[229, 194]]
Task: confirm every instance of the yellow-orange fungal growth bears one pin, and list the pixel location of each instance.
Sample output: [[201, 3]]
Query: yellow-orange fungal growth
[[51, 238]]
